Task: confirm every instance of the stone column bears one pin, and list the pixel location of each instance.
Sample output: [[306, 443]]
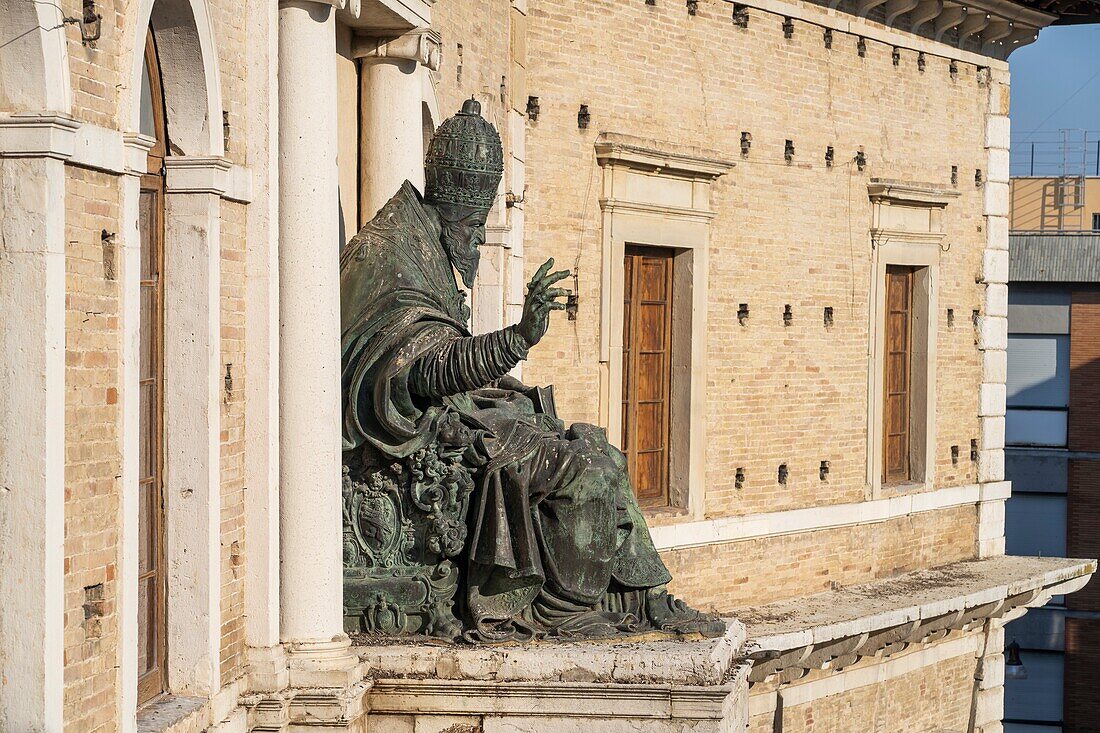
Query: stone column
[[391, 99], [311, 593]]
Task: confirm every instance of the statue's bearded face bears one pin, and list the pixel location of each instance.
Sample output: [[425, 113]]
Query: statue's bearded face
[[462, 233]]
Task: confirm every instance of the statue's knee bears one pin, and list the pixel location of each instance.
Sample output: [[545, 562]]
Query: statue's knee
[[601, 478]]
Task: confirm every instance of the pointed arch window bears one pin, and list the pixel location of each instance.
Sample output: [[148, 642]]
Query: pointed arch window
[[152, 589]]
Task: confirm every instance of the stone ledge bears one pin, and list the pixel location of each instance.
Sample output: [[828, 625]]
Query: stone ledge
[[644, 660], [579, 699], [832, 630]]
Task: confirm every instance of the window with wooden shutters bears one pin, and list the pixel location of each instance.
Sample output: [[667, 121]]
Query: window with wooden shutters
[[647, 368], [898, 392], [152, 589]]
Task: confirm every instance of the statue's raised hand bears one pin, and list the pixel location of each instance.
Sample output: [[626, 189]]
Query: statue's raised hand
[[540, 300]]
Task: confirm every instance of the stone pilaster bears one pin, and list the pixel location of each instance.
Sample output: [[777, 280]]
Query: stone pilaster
[[33, 151], [993, 323]]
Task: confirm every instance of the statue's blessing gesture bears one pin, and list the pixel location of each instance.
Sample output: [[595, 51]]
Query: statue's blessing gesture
[[470, 509]]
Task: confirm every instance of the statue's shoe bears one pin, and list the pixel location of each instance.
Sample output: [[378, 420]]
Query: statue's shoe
[[668, 613]]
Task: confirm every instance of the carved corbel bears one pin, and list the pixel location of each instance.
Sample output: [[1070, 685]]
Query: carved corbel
[[1020, 37], [975, 23], [866, 6], [925, 11], [422, 46], [793, 659], [950, 18], [993, 36], [897, 8]]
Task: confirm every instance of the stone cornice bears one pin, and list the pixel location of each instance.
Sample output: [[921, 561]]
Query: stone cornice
[[629, 661], [790, 639], [597, 700], [385, 17], [880, 189], [901, 26], [652, 156], [38, 136]]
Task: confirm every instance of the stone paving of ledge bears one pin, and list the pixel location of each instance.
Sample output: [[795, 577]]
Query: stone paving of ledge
[[918, 595]]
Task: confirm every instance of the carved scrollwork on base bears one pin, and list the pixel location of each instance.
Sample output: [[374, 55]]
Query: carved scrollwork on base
[[404, 521]]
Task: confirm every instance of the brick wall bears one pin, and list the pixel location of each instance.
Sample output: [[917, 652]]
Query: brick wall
[[95, 69], [933, 698], [1084, 364], [99, 74], [1082, 675], [737, 574], [1082, 659], [92, 461], [482, 29], [1083, 525], [233, 540], [784, 234]]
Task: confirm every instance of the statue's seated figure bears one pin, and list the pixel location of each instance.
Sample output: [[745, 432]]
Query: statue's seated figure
[[469, 508]]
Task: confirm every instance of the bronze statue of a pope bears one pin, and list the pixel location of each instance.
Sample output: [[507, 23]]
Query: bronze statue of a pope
[[529, 528]]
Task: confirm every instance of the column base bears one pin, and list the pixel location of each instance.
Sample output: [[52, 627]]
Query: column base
[[304, 685], [267, 668], [324, 664]]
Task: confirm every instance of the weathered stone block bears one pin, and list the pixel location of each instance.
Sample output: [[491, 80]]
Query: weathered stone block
[[993, 433], [991, 465], [992, 400], [993, 333], [996, 232], [995, 266], [996, 300]]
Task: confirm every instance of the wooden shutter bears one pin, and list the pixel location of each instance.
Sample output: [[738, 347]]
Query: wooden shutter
[[897, 393], [647, 367]]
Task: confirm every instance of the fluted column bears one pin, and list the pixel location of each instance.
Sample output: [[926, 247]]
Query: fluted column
[[391, 99], [311, 593]]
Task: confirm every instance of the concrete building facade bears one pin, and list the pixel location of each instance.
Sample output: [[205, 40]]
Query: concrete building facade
[[177, 178]]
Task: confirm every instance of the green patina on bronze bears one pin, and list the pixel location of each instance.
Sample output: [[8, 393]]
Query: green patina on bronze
[[470, 510]]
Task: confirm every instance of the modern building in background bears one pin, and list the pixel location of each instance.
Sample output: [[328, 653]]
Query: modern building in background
[[1052, 438]]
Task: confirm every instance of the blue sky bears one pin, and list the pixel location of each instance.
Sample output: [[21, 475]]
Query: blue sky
[[1055, 85]]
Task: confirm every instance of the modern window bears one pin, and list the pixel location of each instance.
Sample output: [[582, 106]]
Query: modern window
[[152, 606], [897, 378], [1037, 389], [1096, 221], [647, 370]]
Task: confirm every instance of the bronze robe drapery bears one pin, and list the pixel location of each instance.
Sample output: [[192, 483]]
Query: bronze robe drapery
[[555, 532]]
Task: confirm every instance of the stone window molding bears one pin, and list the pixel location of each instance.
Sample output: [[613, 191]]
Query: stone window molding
[[658, 194], [907, 228]]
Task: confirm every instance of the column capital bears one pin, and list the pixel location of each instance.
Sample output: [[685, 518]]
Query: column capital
[[197, 174], [421, 45], [37, 136]]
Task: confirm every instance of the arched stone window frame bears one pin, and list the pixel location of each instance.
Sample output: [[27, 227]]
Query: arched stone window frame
[[196, 178]]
